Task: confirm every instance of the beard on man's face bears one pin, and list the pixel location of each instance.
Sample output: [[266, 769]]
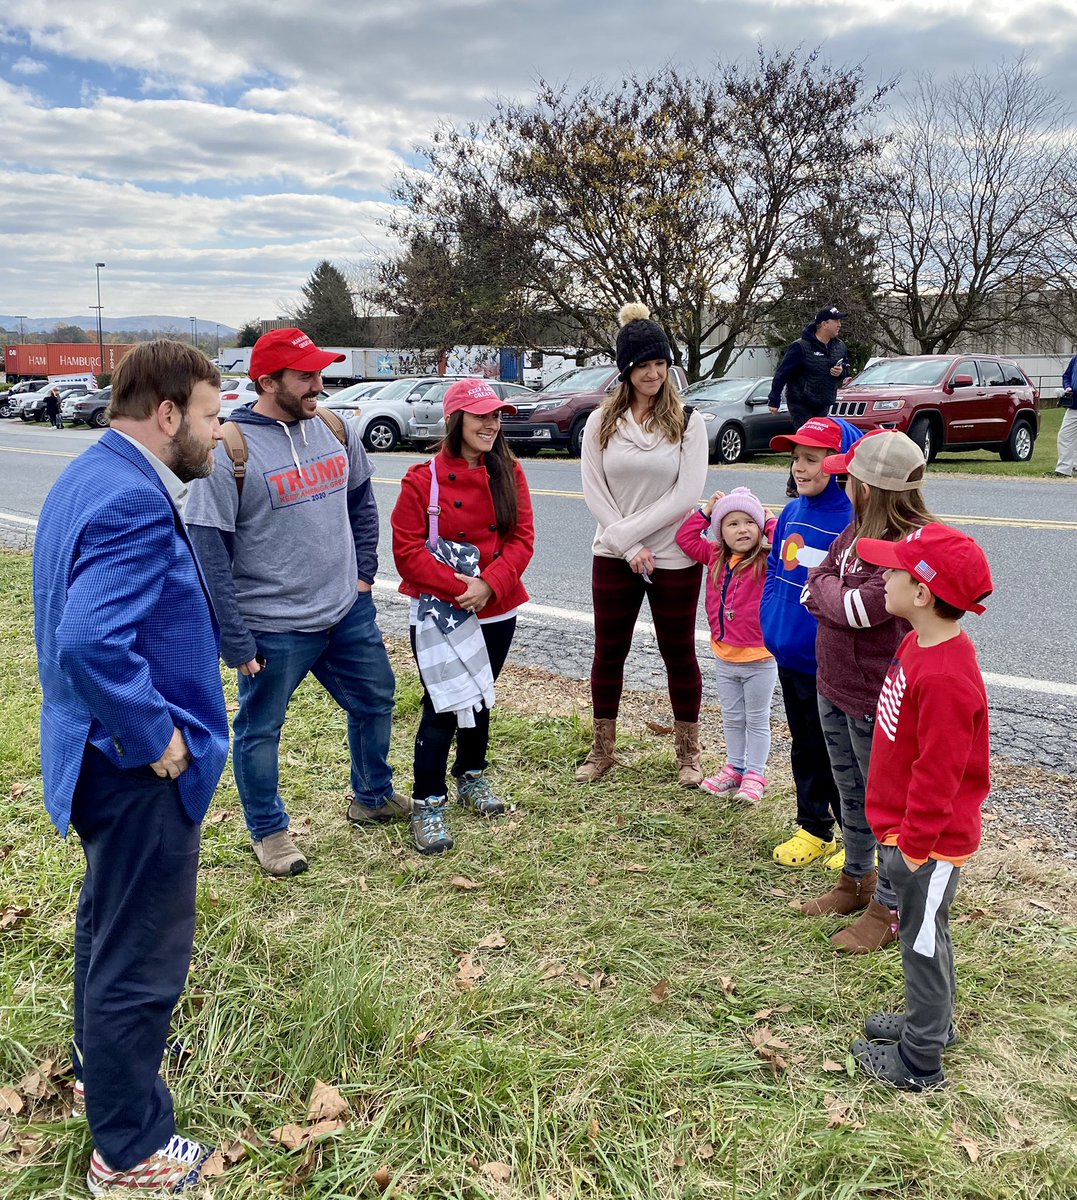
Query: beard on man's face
[[191, 457]]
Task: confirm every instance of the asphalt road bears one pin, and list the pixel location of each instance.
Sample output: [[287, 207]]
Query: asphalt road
[[1027, 640]]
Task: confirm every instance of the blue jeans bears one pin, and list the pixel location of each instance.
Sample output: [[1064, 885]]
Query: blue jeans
[[350, 662]]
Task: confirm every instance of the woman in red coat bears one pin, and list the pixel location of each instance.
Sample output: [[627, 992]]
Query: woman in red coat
[[483, 500]]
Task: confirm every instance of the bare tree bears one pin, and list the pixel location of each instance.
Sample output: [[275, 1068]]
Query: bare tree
[[689, 193], [972, 236]]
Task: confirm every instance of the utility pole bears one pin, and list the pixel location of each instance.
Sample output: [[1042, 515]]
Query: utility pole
[[100, 335]]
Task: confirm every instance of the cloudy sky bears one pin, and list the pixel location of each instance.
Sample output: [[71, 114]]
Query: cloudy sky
[[210, 152]]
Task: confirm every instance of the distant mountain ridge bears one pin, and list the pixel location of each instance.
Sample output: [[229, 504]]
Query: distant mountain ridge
[[181, 326]]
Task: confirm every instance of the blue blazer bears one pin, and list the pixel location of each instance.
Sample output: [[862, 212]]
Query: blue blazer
[[127, 641]]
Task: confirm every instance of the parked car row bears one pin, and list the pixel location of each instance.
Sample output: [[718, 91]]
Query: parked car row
[[942, 401]]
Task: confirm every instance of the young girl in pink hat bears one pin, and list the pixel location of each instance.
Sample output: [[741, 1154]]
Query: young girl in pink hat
[[745, 671]]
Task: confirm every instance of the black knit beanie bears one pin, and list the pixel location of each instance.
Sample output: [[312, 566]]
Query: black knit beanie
[[639, 339]]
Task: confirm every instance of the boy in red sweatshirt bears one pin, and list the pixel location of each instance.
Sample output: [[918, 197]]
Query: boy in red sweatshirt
[[928, 779]]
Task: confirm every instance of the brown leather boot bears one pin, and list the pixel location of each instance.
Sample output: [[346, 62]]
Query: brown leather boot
[[686, 745], [599, 761], [875, 928], [847, 896]]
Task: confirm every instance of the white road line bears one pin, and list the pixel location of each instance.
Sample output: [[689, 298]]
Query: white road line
[[1019, 683]]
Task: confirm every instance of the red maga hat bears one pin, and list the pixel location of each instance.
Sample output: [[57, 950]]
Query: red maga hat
[[950, 563], [475, 396], [816, 431], [289, 348]]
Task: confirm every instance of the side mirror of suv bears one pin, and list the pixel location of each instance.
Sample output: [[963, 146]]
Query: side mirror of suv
[[961, 381]]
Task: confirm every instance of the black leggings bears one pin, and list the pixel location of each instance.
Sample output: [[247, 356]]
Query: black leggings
[[435, 734]]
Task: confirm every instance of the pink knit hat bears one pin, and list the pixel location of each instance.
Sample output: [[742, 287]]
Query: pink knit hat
[[740, 499]]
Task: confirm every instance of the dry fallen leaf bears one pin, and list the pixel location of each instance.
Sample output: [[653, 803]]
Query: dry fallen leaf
[[592, 1129], [325, 1103], [468, 973], [654, 727], [768, 1047], [705, 1152], [294, 1137], [421, 1039], [214, 1165], [830, 1065], [493, 941], [678, 1161], [1040, 904], [382, 1178], [1012, 1121], [33, 1085], [762, 1014], [17, 790], [12, 916], [837, 1111], [636, 868], [729, 986], [217, 818], [553, 971], [463, 883], [660, 991], [592, 881], [363, 884], [500, 1171], [777, 891], [11, 1101]]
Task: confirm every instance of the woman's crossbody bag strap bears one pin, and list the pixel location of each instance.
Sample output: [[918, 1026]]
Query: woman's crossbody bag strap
[[433, 509]]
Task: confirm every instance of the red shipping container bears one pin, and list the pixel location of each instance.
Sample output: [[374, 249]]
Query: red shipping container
[[61, 358]]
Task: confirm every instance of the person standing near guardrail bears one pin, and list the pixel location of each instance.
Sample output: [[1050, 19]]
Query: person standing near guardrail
[[811, 371], [644, 468], [1067, 432]]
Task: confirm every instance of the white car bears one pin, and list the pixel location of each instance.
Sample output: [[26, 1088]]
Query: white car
[[427, 423], [348, 400], [382, 420], [235, 392]]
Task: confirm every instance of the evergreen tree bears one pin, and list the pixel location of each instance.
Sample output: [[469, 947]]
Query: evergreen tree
[[328, 315], [248, 334]]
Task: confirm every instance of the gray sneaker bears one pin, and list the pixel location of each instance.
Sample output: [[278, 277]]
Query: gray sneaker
[[473, 792], [279, 855], [395, 808], [428, 826]]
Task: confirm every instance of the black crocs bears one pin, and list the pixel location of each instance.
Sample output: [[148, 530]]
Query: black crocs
[[883, 1061], [888, 1027]]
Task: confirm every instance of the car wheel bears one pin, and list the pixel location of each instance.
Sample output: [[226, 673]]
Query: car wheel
[[575, 438], [1020, 443], [922, 432], [729, 444], [5, 410], [27, 416], [381, 435], [99, 419]]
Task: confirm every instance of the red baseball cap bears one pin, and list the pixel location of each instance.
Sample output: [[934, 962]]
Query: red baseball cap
[[475, 396], [950, 563], [289, 348], [816, 431]]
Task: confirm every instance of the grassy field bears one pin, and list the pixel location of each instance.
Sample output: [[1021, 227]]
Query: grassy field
[[605, 994]]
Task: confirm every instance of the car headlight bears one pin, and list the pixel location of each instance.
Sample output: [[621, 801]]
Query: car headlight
[[706, 415], [547, 406], [888, 405]]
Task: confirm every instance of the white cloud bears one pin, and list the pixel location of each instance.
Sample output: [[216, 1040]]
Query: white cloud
[[28, 66]]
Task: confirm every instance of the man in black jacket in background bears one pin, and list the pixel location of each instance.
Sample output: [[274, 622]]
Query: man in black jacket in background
[[811, 371]]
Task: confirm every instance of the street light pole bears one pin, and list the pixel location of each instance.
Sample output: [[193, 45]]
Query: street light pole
[[22, 331], [218, 344], [194, 330], [100, 335]]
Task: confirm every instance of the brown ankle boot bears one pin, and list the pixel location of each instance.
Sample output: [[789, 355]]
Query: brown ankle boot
[[875, 928], [599, 761], [686, 744], [847, 896]]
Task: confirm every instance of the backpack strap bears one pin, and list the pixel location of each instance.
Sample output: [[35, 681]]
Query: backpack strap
[[235, 443], [688, 410], [335, 424]]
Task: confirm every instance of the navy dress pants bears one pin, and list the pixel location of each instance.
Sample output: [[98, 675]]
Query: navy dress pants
[[134, 931]]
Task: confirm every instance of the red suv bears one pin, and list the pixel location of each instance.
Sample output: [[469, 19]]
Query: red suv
[[947, 402], [561, 408]]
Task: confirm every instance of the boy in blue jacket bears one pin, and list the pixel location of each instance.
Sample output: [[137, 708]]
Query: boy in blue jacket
[[805, 529]]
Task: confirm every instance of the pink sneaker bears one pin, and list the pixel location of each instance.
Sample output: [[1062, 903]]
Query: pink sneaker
[[752, 788], [727, 780], [173, 1168]]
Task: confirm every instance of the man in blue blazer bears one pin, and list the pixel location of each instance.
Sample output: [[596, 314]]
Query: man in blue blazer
[[134, 737]]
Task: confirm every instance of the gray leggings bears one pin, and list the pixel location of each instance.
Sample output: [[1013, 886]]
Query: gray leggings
[[848, 743], [745, 691]]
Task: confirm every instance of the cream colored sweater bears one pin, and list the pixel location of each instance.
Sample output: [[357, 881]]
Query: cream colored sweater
[[641, 487]]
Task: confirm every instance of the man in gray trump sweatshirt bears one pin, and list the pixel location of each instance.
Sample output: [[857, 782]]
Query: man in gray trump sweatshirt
[[290, 555]]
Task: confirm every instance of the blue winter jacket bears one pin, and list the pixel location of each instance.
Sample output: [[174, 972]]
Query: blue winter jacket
[[806, 528]]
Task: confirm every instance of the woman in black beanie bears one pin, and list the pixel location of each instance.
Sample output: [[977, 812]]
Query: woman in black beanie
[[644, 469]]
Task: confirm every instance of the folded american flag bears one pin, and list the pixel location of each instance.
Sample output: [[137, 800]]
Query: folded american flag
[[449, 647]]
